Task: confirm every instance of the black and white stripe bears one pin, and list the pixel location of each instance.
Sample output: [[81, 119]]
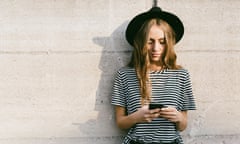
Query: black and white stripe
[[169, 87]]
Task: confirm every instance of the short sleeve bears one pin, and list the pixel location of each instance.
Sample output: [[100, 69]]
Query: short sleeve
[[189, 102], [118, 94]]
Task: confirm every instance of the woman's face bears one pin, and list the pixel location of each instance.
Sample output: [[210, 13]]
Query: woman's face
[[156, 44]]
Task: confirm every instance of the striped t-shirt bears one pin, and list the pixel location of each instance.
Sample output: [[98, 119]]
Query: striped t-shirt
[[169, 87]]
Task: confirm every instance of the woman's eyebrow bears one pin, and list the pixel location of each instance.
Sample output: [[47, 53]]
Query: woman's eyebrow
[[163, 38]]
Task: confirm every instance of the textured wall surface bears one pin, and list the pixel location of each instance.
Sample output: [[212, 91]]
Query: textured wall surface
[[58, 59]]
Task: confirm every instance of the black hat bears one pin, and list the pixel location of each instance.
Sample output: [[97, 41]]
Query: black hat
[[155, 12]]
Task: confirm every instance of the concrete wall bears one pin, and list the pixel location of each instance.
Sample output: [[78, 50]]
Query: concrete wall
[[58, 59]]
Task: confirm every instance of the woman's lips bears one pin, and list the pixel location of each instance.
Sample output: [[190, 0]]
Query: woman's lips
[[156, 54]]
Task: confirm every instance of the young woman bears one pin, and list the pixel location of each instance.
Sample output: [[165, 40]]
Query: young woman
[[153, 77]]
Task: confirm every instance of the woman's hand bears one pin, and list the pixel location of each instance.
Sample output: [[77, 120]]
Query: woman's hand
[[173, 115], [142, 115], [145, 115]]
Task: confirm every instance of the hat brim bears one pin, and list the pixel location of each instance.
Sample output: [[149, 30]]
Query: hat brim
[[136, 23]]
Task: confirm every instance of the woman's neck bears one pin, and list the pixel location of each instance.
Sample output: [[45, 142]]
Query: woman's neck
[[155, 67]]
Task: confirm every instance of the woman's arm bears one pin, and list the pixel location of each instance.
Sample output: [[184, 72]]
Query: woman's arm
[[182, 122], [142, 115]]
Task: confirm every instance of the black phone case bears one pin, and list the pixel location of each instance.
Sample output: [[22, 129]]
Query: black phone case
[[154, 106]]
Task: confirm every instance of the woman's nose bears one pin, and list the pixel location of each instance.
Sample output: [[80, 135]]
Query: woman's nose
[[156, 46]]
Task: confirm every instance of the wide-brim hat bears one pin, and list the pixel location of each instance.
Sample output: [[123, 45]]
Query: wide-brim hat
[[155, 12]]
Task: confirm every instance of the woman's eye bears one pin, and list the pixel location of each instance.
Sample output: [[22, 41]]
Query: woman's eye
[[162, 42], [150, 42]]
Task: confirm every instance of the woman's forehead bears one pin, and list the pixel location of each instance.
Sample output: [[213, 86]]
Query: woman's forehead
[[156, 32]]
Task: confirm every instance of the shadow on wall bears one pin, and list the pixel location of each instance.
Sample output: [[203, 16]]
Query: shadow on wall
[[116, 53]]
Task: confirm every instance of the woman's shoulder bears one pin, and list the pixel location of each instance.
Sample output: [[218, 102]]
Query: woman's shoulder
[[178, 69], [181, 71], [125, 72], [126, 69]]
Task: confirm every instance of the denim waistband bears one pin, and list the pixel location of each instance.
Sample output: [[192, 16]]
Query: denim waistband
[[134, 142]]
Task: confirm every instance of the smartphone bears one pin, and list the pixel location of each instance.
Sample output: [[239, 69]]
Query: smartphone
[[154, 106]]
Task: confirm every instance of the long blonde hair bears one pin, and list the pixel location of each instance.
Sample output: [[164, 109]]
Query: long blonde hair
[[140, 58]]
